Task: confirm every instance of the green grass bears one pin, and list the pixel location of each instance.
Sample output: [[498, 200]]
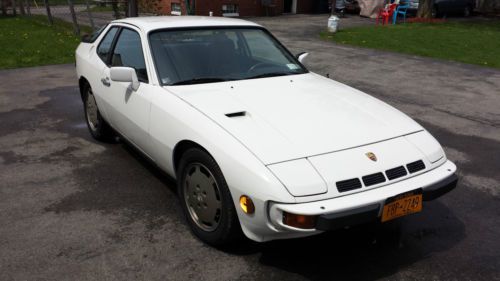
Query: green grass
[[30, 41], [468, 42]]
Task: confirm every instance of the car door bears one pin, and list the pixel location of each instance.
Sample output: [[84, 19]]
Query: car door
[[129, 110], [99, 59]]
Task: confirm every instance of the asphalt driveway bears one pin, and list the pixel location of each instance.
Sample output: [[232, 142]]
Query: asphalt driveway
[[75, 209]]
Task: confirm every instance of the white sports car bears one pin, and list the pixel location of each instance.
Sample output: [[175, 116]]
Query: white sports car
[[258, 144]]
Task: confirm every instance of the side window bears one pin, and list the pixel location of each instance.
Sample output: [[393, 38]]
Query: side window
[[105, 45], [128, 52]]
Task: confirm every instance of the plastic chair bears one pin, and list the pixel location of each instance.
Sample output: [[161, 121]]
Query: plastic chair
[[385, 14], [400, 10]]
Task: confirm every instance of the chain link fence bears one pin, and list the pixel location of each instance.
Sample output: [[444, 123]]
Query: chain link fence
[[82, 14]]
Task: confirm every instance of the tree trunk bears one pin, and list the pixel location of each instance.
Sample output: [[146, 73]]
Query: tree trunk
[[28, 7], [116, 13], [21, 8], [49, 14], [14, 7], [76, 27], [425, 9], [132, 8], [89, 14], [4, 9], [190, 8]]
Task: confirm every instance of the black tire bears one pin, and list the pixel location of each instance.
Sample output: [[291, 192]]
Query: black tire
[[228, 229], [98, 128]]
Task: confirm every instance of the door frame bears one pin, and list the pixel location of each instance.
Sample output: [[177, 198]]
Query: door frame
[[294, 7]]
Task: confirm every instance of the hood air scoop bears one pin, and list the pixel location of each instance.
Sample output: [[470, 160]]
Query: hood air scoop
[[236, 114]]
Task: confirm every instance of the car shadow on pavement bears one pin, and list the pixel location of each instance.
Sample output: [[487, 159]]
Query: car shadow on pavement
[[360, 253], [363, 252]]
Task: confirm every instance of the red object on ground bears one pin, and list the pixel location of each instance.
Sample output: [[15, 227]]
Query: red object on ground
[[385, 14]]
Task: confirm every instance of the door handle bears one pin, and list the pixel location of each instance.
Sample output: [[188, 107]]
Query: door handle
[[106, 82]]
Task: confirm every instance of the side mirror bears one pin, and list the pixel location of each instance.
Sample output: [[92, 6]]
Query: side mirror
[[302, 56], [125, 74]]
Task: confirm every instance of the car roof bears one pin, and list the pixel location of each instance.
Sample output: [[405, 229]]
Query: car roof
[[160, 22]]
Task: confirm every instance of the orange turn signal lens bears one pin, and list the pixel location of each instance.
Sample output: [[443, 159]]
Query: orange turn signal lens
[[299, 221], [247, 205]]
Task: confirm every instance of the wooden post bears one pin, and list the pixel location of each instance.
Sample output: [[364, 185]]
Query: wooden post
[[89, 13], [21, 8], [4, 10], [28, 7], [73, 18], [49, 14], [425, 9], [14, 7]]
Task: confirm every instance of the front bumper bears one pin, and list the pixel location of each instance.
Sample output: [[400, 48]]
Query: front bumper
[[360, 207], [371, 212]]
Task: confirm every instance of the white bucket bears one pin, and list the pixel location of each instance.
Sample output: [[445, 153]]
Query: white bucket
[[333, 24]]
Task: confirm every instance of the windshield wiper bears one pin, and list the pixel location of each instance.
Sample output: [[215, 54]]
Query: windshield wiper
[[199, 81], [271, 74]]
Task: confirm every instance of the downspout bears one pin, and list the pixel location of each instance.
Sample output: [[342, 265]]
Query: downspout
[[190, 8]]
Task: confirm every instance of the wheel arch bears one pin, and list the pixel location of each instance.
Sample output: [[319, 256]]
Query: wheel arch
[[250, 178], [82, 82], [181, 147]]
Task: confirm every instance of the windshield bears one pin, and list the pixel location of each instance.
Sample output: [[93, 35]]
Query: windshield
[[197, 56]]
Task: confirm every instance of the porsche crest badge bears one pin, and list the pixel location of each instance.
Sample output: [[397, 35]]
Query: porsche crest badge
[[371, 156]]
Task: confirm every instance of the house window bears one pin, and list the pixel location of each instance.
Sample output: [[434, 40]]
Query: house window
[[230, 10], [175, 9]]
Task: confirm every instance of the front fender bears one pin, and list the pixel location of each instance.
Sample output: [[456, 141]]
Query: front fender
[[173, 120]]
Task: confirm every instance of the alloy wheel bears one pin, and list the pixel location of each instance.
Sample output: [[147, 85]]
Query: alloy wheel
[[91, 111], [202, 197]]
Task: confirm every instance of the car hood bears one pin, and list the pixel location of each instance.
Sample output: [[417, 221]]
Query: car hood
[[291, 117]]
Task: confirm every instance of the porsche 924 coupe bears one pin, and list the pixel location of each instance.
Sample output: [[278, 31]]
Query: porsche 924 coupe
[[257, 143]]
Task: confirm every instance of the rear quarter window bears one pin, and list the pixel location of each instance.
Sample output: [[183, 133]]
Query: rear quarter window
[[105, 46]]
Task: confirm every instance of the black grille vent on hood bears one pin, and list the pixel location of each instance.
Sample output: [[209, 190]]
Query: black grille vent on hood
[[373, 179], [416, 166], [346, 185], [395, 173]]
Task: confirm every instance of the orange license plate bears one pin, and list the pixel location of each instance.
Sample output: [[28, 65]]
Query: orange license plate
[[402, 205]]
